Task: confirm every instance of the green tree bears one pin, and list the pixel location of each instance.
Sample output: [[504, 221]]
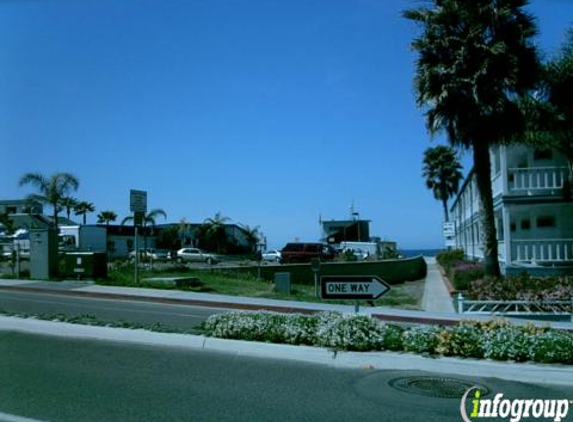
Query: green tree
[[68, 203], [252, 236], [51, 190], [83, 208], [442, 172], [106, 217], [212, 232], [549, 110], [474, 57], [7, 223], [149, 221]]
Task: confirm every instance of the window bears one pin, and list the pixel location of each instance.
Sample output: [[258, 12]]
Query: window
[[542, 154], [11, 210], [545, 221], [525, 224], [513, 227]]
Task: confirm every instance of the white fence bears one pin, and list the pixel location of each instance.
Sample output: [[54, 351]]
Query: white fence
[[536, 178], [515, 307], [544, 250]]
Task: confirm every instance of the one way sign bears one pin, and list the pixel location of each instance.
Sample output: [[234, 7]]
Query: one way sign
[[353, 287]]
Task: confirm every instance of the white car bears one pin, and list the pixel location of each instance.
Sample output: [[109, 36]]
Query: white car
[[195, 255], [273, 255]]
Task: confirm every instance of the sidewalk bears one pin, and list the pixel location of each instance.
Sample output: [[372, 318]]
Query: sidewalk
[[437, 303], [436, 295]]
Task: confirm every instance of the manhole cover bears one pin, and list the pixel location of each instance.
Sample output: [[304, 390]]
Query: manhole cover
[[435, 386]]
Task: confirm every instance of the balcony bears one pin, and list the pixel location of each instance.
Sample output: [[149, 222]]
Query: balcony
[[536, 180], [542, 250]]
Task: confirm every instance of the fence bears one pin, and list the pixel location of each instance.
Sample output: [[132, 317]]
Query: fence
[[515, 307]]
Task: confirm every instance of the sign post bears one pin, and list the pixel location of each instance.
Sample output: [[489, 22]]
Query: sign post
[[353, 288], [137, 205], [315, 266]]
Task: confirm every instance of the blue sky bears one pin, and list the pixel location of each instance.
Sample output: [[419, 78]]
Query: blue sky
[[271, 112]]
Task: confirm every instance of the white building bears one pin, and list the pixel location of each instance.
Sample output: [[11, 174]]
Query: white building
[[534, 223]]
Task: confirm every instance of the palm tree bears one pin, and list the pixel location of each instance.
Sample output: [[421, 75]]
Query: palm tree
[[51, 190], [549, 110], [252, 236], [106, 217], [474, 57], [443, 174], [68, 203], [148, 221], [214, 230], [83, 208]]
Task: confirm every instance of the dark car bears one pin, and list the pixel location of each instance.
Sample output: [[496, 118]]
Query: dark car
[[304, 252]]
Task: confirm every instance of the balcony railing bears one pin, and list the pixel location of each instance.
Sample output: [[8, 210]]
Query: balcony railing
[[542, 250], [528, 180]]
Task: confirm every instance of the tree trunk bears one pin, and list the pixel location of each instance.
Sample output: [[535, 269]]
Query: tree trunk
[[55, 222], [482, 168], [446, 214]]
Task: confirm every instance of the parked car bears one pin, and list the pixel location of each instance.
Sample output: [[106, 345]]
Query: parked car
[[304, 252], [151, 254], [273, 255], [195, 255]]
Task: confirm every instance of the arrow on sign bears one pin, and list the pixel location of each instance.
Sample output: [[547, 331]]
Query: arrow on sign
[[353, 287]]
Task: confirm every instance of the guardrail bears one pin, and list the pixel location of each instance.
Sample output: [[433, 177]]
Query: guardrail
[[515, 307]]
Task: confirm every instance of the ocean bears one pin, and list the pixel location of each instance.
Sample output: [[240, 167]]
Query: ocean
[[408, 253]]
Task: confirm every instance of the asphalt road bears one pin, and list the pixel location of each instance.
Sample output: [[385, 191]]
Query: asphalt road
[[184, 317], [57, 380]]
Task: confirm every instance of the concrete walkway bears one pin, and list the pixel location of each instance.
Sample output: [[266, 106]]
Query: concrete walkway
[[436, 296]]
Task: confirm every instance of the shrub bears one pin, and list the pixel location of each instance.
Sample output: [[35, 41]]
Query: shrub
[[351, 332], [507, 343], [552, 347], [448, 258], [421, 339], [463, 274], [392, 337], [464, 339], [522, 287]]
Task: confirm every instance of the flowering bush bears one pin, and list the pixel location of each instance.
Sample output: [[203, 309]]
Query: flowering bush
[[523, 287], [463, 274], [392, 335], [351, 332], [508, 343], [449, 258], [552, 347], [495, 339], [464, 339], [421, 339]]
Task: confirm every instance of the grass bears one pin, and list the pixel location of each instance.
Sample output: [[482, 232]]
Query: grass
[[405, 296]]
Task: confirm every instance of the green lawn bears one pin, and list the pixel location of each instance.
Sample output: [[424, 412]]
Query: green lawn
[[405, 296]]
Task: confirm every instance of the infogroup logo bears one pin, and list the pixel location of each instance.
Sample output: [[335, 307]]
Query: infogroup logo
[[514, 409]]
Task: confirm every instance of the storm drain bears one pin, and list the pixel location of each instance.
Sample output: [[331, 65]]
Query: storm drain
[[449, 388]]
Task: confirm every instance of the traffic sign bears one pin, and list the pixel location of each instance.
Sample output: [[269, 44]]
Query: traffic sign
[[353, 287], [138, 201]]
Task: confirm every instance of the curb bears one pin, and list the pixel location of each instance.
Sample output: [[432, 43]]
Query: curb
[[523, 372]]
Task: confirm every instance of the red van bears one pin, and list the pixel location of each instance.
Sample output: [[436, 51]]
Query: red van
[[304, 252]]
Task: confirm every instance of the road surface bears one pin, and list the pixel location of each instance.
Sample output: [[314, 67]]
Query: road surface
[[183, 317], [68, 380]]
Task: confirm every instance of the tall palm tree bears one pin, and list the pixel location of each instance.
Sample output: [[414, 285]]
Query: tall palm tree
[[474, 57], [68, 203], [106, 217], [442, 172], [51, 190], [214, 229], [550, 109], [149, 220], [83, 208]]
